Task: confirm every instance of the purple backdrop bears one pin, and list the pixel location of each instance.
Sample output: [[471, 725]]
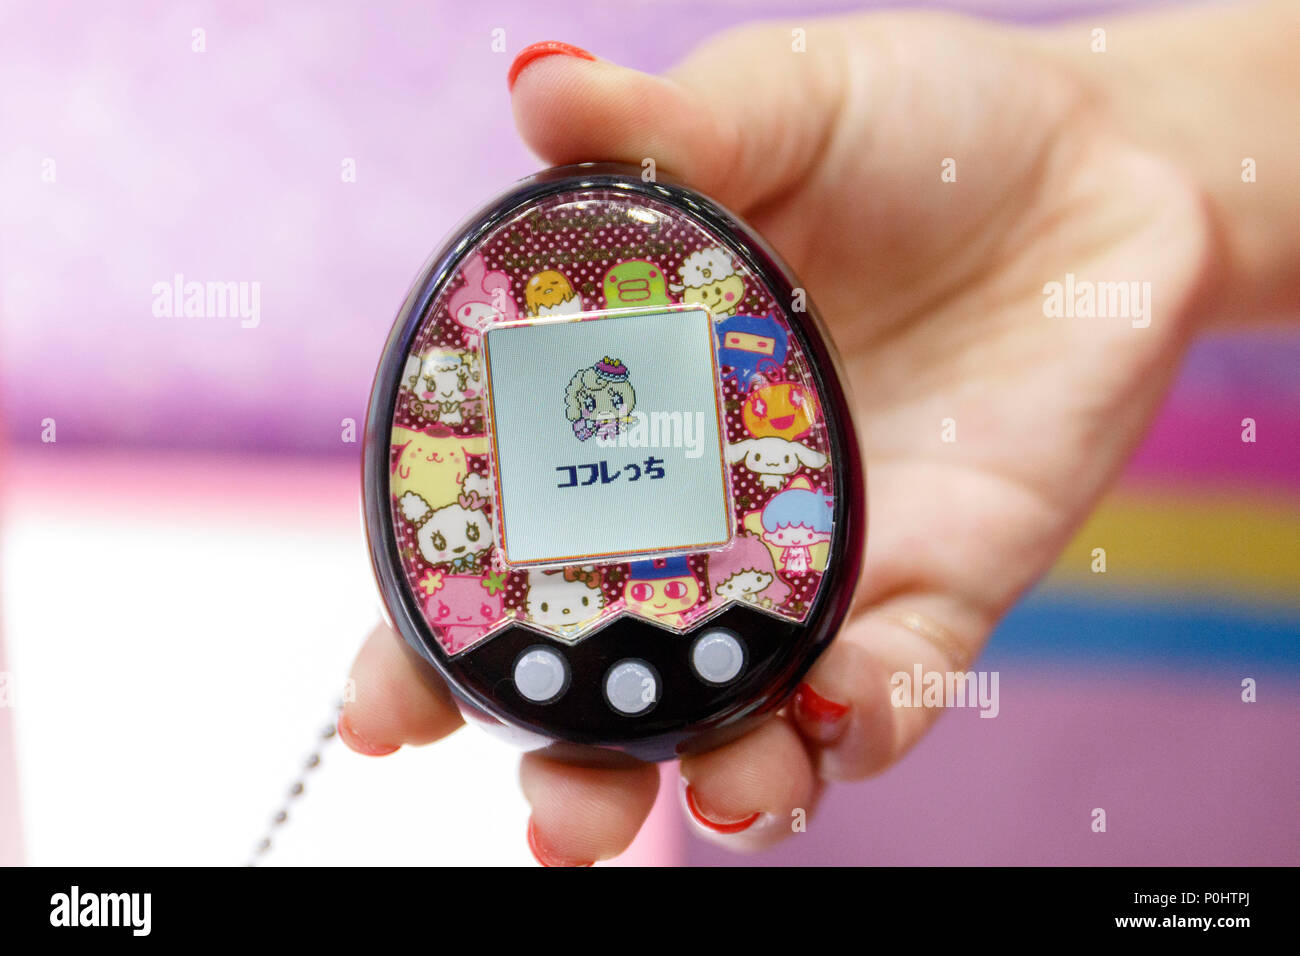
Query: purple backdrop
[[226, 165]]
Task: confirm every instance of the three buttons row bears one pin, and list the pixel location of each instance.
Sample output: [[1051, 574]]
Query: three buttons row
[[631, 686]]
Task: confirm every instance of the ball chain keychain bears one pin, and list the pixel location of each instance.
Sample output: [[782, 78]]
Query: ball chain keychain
[[296, 789]]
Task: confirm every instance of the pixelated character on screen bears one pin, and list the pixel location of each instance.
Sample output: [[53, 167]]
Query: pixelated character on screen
[[462, 607], [550, 293], [635, 282], [795, 520], [599, 400], [564, 600], [743, 571], [709, 279], [754, 347], [483, 299], [662, 589]]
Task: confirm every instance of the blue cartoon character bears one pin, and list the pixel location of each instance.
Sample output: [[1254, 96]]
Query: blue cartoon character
[[599, 399], [795, 520], [754, 347]]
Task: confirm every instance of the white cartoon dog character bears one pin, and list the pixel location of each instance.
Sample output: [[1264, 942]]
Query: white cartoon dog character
[[773, 458]]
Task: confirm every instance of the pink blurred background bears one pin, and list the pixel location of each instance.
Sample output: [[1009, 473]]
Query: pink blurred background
[[227, 165]]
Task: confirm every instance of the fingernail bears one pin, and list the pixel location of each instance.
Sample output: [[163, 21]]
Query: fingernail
[[717, 826], [536, 51], [543, 855], [358, 743], [822, 719]]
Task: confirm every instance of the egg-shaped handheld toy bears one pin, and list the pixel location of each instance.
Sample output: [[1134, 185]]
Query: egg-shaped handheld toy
[[612, 490]]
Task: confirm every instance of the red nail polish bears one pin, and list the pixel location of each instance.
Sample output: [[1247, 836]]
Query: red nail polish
[[358, 743], [536, 51], [542, 856], [818, 716], [737, 826]]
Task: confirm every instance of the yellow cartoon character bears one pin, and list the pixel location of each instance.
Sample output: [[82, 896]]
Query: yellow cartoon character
[[433, 465], [549, 293]]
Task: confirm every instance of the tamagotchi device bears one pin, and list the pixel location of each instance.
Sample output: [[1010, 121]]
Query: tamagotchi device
[[611, 486]]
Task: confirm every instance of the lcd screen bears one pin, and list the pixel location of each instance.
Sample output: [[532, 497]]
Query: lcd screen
[[606, 436]]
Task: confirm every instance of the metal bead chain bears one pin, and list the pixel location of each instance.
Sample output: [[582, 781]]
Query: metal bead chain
[[328, 733]]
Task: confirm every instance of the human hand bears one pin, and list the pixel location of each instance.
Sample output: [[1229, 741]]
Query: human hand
[[933, 294]]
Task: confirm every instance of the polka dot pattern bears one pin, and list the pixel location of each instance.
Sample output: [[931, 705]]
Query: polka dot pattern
[[582, 236]]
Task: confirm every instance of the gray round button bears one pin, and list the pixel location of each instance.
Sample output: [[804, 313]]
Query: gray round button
[[541, 674], [718, 656], [631, 687]]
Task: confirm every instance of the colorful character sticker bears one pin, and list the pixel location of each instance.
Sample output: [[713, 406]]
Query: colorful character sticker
[[743, 571], [784, 410], [564, 600], [754, 347], [635, 282], [599, 400], [549, 293], [434, 464], [445, 381], [771, 458], [455, 535], [462, 607], [662, 589], [553, 260], [794, 521], [483, 299], [710, 279]]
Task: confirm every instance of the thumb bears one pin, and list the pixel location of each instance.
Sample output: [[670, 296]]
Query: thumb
[[742, 119]]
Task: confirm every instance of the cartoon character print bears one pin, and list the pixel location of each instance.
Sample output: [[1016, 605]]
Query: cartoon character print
[[444, 382], [433, 464], [549, 293], [709, 279], [455, 535], [772, 458], [744, 571], [754, 347], [483, 299], [599, 400], [462, 607], [662, 590], [781, 542], [564, 600], [784, 410], [635, 282], [794, 521]]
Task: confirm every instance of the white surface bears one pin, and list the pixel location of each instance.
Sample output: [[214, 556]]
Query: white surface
[[169, 691]]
